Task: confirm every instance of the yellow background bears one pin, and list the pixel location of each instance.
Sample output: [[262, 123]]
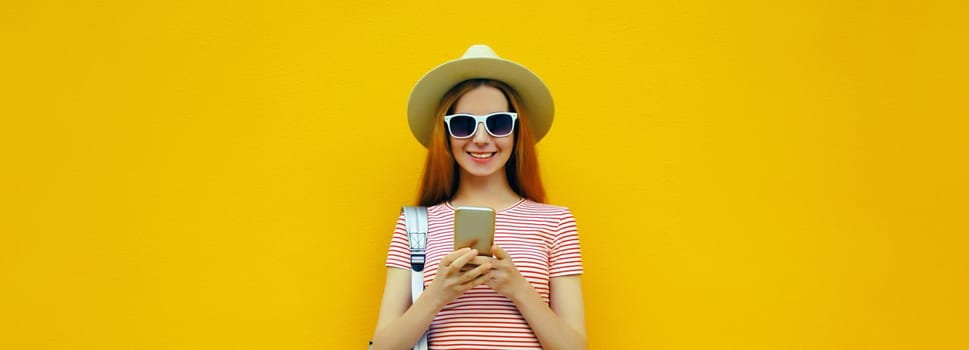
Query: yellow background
[[226, 175]]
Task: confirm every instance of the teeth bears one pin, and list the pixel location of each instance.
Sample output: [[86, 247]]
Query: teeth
[[481, 155]]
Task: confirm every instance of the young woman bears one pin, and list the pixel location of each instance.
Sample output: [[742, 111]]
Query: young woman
[[480, 117]]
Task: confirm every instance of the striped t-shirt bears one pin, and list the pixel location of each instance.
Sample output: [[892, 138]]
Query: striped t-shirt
[[542, 241]]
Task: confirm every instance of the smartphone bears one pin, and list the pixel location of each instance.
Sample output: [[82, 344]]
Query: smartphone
[[474, 227]]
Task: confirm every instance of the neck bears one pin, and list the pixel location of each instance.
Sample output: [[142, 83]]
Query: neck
[[491, 191]]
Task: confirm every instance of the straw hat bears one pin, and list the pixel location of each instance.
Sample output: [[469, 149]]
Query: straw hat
[[480, 61]]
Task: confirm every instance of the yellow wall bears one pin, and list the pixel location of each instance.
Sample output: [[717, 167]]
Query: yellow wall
[[225, 175]]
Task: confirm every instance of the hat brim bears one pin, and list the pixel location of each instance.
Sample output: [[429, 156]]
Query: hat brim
[[536, 100]]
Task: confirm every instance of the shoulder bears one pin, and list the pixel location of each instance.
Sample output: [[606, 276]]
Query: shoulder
[[440, 209], [443, 206], [530, 207]]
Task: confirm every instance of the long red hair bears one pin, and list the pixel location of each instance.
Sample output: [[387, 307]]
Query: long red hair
[[441, 173]]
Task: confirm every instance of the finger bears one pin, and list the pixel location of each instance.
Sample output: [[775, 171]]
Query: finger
[[463, 259], [491, 281], [477, 281], [496, 275], [478, 260], [449, 259], [500, 253], [472, 274]]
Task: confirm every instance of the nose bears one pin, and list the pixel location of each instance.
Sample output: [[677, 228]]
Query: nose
[[481, 134]]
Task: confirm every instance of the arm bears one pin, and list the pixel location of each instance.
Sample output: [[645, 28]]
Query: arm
[[400, 324], [557, 325], [560, 325]]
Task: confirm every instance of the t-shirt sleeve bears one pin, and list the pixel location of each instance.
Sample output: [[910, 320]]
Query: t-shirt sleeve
[[566, 257], [399, 253]]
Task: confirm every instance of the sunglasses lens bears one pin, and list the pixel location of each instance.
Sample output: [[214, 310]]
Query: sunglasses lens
[[462, 126], [500, 124]]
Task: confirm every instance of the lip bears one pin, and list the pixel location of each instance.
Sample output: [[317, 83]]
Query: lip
[[482, 160]]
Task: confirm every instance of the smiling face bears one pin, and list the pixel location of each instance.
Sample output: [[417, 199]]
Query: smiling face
[[482, 155]]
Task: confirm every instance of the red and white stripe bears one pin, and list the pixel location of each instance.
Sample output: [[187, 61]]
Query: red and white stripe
[[542, 241]]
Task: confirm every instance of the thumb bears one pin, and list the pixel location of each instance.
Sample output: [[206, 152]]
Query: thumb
[[500, 253]]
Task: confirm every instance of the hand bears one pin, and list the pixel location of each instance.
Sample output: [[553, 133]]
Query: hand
[[504, 277], [451, 282]]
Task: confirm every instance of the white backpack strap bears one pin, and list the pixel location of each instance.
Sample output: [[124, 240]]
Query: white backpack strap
[[415, 219]]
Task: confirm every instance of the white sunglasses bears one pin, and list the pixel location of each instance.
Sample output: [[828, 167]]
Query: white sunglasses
[[462, 126]]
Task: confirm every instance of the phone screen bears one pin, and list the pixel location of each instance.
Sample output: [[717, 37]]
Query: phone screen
[[474, 227]]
